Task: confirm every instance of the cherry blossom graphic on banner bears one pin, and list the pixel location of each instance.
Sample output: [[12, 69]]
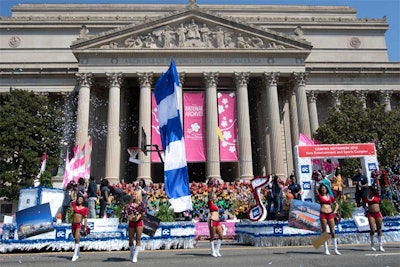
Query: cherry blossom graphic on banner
[[193, 126], [228, 126], [155, 129]]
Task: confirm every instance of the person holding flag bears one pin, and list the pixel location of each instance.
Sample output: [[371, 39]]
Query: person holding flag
[[176, 178]]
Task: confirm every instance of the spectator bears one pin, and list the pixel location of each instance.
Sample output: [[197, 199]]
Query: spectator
[[104, 197], [361, 183], [92, 197]]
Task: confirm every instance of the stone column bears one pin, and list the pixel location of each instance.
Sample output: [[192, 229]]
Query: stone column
[[274, 125], [113, 152], [294, 121], [362, 96], [385, 97], [245, 155], [213, 160], [82, 121], [145, 81], [302, 108], [312, 106]]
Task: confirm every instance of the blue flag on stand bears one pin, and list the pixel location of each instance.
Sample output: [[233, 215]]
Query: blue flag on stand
[[176, 178]]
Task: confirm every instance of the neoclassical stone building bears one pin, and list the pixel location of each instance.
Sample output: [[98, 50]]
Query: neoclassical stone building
[[284, 65]]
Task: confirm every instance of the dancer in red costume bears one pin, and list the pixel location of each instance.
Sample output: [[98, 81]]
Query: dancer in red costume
[[374, 215], [80, 214], [133, 211], [215, 226], [327, 215]]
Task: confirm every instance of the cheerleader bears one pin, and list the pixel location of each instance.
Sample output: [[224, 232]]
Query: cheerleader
[[215, 226], [327, 214], [374, 215], [80, 214], [133, 211]]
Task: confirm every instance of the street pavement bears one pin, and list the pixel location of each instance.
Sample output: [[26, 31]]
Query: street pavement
[[233, 255]]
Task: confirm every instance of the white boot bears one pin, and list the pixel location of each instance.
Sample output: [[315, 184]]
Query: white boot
[[213, 252], [135, 253], [371, 238], [380, 244], [326, 250], [76, 252], [217, 247], [334, 241], [131, 250]]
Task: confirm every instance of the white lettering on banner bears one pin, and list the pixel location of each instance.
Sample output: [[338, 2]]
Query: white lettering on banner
[[104, 225], [361, 222]]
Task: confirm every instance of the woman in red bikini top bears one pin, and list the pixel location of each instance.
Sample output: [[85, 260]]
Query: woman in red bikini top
[[214, 226], [80, 214], [374, 215], [327, 214]]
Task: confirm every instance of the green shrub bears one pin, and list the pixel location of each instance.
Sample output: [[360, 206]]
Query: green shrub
[[165, 214], [387, 208], [346, 209]]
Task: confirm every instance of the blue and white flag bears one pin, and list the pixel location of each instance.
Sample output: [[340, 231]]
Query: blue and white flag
[[176, 178]]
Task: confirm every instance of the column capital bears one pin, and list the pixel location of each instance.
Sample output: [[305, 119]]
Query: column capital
[[211, 78], [271, 78], [386, 95], [181, 78], [114, 79], [145, 78], [336, 94], [312, 96], [84, 79], [241, 78], [361, 95], [300, 78]]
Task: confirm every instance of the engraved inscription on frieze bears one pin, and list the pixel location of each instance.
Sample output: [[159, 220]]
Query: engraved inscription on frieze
[[193, 35]]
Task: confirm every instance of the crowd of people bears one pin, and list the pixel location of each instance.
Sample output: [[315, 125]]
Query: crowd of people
[[217, 201]]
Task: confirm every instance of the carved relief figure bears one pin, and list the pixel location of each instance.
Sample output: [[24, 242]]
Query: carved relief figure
[[220, 36], [148, 41], [133, 42], [299, 32], [257, 42], [193, 31], [241, 43], [181, 31], [168, 36], [84, 32], [205, 32]]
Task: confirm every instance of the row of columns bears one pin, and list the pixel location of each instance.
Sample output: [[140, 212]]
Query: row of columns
[[302, 108]]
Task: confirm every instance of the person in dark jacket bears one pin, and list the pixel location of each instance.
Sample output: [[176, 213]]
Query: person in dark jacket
[[92, 197]]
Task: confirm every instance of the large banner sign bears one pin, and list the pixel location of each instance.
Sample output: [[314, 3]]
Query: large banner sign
[[155, 129], [34, 221], [194, 126], [304, 154], [227, 126]]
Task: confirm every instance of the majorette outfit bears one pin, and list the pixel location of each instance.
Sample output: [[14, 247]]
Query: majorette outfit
[[82, 211], [212, 207], [322, 200], [374, 200], [136, 209]]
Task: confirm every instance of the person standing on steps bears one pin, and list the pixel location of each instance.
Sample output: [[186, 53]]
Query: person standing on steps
[[214, 226]]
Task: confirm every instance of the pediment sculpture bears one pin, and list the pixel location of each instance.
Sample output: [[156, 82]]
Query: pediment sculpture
[[193, 35]]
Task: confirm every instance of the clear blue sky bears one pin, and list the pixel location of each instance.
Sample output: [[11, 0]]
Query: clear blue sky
[[365, 9]]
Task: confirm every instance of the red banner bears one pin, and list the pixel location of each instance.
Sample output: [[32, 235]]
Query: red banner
[[227, 126], [337, 151], [193, 126]]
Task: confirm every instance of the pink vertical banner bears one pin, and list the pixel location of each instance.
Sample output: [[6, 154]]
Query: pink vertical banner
[[193, 126], [227, 126], [155, 129]]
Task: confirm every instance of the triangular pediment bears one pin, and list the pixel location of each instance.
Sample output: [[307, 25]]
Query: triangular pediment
[[190, 29]]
